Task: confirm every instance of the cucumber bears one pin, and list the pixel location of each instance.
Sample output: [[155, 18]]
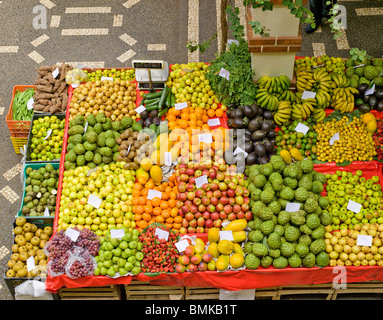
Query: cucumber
[[163, 96], [163, 111], [153, 95]]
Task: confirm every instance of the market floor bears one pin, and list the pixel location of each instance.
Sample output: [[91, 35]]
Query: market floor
[[112, 33]]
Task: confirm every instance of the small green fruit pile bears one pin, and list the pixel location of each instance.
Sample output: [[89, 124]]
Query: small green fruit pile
[[119, 256], [40, 191], [92, 140], [46, 138], [111, 73], [287, 138], [343, 186]]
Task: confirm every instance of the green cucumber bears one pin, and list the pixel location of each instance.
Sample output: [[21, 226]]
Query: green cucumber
[[163, 96], [153, 95]]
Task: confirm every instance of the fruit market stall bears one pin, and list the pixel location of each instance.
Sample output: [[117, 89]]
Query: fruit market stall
[[202, 183]]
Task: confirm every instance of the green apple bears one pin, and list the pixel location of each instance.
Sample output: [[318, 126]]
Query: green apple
[[117, 252], [136, 270], [133, 244], [115, 241], [107, 255], [139, 256], [107, 264], [111, 271], [128, 266], [123, 245], [132, 259], [121, 262], [97, 271], [103, 271], [122, 271]]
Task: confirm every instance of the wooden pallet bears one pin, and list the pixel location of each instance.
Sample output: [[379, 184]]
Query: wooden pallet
[[314, 290], [143, 290], [197, 293], [359, 289], [112, 292]]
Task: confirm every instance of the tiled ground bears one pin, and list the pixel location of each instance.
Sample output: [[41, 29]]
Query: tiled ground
[[110, 33]]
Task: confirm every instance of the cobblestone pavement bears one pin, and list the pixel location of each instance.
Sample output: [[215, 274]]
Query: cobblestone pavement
[[111, 33]]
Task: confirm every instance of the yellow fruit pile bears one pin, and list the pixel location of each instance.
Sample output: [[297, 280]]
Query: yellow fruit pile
[[355, 141]]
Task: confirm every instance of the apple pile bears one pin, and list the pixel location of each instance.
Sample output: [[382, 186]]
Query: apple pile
[[194, 258], [225, 196]]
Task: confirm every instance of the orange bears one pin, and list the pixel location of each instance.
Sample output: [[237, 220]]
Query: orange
[[146, 216], [137, 217], [185, 116], [165, 213], [169, 220], [148, 208], [136, 193], [142, 200], [164, 204], [157, 211], [142, 224], [177, 226], [150, 184], [168, 225], [139, 209], [219, 113], [183, 123], [156, 202], [172, 203], [211, 113], [135, 201], [160, 219]]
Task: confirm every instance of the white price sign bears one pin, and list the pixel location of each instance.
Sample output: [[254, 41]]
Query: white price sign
[[117, 233], [213, 122], [205, 137], [71, 233], [55, 73], [140, 109], [180, 106], [30, 104], [200, 181], [364, 240], [224, 74], [354, 206], [302, 128], [153, 194], [334, 138], [94, 201], [292, 207], [181, 245], [308, 95], [226, 235], [162, 234]]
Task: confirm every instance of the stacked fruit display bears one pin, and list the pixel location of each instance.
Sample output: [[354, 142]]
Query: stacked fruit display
[[223, 196], [30, 240], [378, 139], [344, 140], [189, 84], [194, 257], [97, 199], [72, 254], [92, 140], [123, 74], [343, 187], [290, 215], [256, 126], [367, 100], [330, 64], [160, 252], [290, 140], [120, 253], [46, 138], [345, 248], [364, 71], [40, 191], [116, 99]]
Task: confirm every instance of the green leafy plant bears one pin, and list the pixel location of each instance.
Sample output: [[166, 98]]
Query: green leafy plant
[[359, 56]]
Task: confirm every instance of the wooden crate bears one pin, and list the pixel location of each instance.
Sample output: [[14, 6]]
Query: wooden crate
[[112, 292], [318, 291], [356, 290], [197, 293], [143, 290], [266, 293]]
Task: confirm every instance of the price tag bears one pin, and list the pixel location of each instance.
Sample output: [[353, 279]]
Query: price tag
[[318, 66], [308, 95], [224, 74], [246, 294], [161, 234], [240, 150], [31, 263], [127, 151], [214, 122], [91, 171], [226, 235], [75, 85], [302, 128], [71, 233], [168, 158], [188, 70], [30, 104], [359, 65], [55, 73], [354, 206], [292, 207], [200, 181], [49, 132], [46, 212], [334, 138], [117, 233], [370, 91], [205, 137], [153, 194], [364, 240], [180, 106], [140, 109], [230, 41], [181, 245], [86, 126], [94, 201], [106, 78]]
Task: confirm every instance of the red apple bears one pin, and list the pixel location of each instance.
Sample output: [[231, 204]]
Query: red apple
[[202, 266], [209, 193], [214, 216], [184, 259], [240, 215], [183, 230], [184, 177], [236, 208], [224, 200], [189, 217], [200, 221], [193, 223], [196, 259], [220, 176], [197, 173], [184, 210], [188, 203], [217, 223], [205, 172], [245, 207], [206, 257], [217, 194], [197, 215], [193, 208], [227, 179], [206, 186], [239, 191], [192, 267], [208, 224], [197, 201], [205, 201], [232, 185], [222, 215], [222, 167], [232, 216], [246, 199], [185, 223], [246, 192], [219, 207], [200, 230], [214, 186], [230, 193], [210, 208], [206, 215], [239, 200], [201, 208], [191, 230], [223, 193], [249, 216], [190, 172], [180, 268], [227, 208], [181, 187], [192, 180], [190, 187], [199, 193], [190, 195], [214, 200]]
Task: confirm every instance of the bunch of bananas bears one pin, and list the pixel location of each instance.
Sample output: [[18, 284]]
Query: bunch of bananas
[[343, 99], [274, 84], [266, 100], [287, 95], [272, 90], [302, 109], [318, 115], [323, 99], [283, 113], [318, 79], [343, 95]]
